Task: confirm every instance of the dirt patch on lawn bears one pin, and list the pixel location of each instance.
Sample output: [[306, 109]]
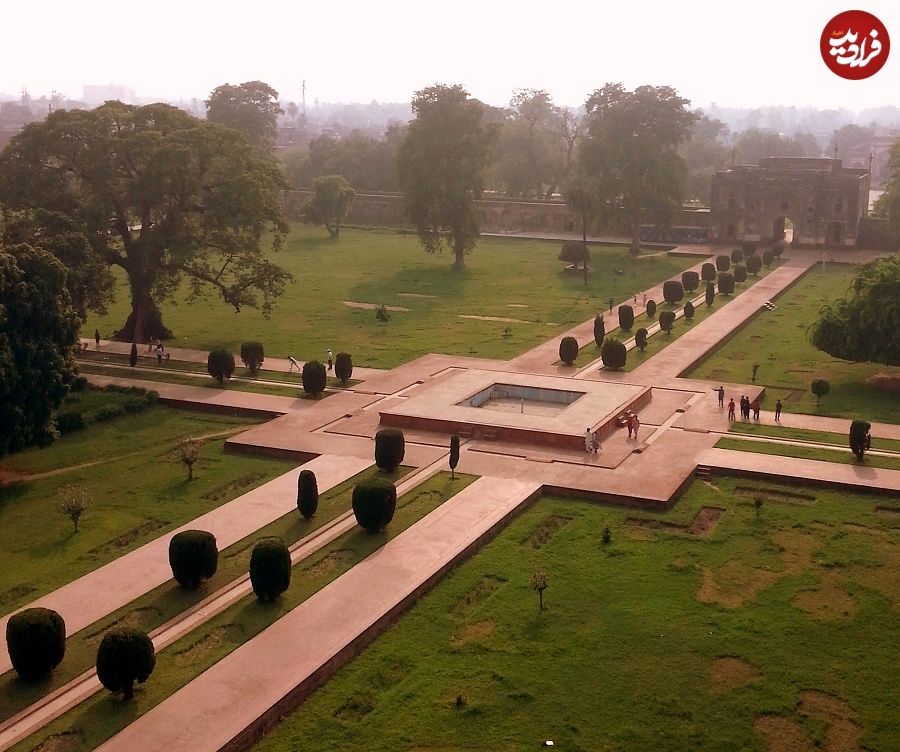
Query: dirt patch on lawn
[[703, 524], [327, 564], [829, 601], [796, 549], [15, 593], [795, 395], [841, 733], [472, 632], [205, 645], [415, 295], [373, 306], [882, 578], [718, 375], [733, 584], [546, 530], [888, 511], [775, 494], [131, 619], [488, 585], [63, 742], [729, 673], [884, 382], [126, 539], [782, 734], [494, 318]]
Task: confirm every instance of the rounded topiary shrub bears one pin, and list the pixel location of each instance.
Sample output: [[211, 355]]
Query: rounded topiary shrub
[[690, 281], [737, 255], [390, 448], [307, 493], [689, 310], [374, 502], [36, 641], [252, 355], [777, 250], [568, 350], [754, 264], [343, 367], [673, 291], [748, 247], [740, 273], [708, 272], [640, 339], [313, 377], [651, 309], [767, 258], [710, 293], [125, 656], [626, 317], [723, 263], [599, 330], [193, 557], [726, 283], [613, 354], [270, 568], [220, 364], [666, 320]]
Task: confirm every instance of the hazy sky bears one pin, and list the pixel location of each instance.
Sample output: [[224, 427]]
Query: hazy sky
[[734, 54]]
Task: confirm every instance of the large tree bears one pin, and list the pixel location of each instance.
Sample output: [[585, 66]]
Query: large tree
[[864, 326], [329, 204], [38, 331], [629, 153], [888, 204], [441, 162], [162, 195], [251, 108]]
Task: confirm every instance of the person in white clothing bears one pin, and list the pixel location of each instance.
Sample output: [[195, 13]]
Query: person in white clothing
[[588, 440]]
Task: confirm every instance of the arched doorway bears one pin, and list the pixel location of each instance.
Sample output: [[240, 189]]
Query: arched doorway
[[835, 235], [783, 230]]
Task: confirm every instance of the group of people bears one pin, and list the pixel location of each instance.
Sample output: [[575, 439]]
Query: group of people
[[747, 405], [292, 361], [592, 440]]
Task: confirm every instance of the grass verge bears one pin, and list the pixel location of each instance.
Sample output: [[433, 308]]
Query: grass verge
[[840, 456]]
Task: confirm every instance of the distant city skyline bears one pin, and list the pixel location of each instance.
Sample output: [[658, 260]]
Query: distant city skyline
[[766, 53]]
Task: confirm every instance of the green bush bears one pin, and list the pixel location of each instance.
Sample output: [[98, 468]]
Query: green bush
[[193, 557], [754, 264], [777, 250], [673, 291], [70, 421], [108, 412], [666, 320], [252, 356], [626, 317], [710, 293], [374, 502], [125, 656], [568, 350], [135, 405], [708, 272], [690, 281], [737, 255], [390, 447], [36, 641], [740, 273], [767, 258], [575, 252], [640, 339], [689, 310], [599, 330], [270, 568], [79, 383], [726, 283], [748, 247], [859, 438], [307, 493], [820, 387], [723, 263], [220, 365], [613, 354], [651, 309], [343, 367], [313, 377]]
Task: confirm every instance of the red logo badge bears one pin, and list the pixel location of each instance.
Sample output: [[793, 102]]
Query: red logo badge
[[855, 44]]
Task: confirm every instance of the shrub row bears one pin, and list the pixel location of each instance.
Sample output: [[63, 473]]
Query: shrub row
[[69, 421]]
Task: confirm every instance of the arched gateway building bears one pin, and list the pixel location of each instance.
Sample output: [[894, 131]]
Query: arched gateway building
[[812, 203]]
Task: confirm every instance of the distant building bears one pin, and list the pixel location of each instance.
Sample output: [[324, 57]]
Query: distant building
[[875, 152], [813, 202], [94, 95]]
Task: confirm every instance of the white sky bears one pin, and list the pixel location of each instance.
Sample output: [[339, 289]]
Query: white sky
[[731, 53]]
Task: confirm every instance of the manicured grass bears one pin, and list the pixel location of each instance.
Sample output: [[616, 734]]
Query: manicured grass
[[103, 715], [802, 434], [788, 363], [657, 641], [139, 492], [808, 453], [504, 278]]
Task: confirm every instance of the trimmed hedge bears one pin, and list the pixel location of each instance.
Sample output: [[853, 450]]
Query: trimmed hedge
[[689, 310], [70, 421], [270, 568], [690, 281], [390, 448], [193, 557], [767, 258], [374, 502], [737, 255], [313, 377], [343, 367], [723, 263], [36, 641], [666, 320], [568, 350], [125, 656], [710, 293], [220, 364], [626, 317], [307, 493], [726, 283], [651, 309], [599, 330], [640, 339], [613, 354], [740, 273], [673, 291], [754, 264], [252, 355], [708, 272]]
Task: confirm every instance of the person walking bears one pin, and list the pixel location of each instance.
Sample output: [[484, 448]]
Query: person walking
[[588, 440], [330, 360], [755, 406], [731, 409], [721, 393], [611, 301], [595, 442], [629, 422], [97, 337], [778, 407], [637, 425]]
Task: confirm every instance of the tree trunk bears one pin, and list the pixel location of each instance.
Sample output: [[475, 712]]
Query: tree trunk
[[128, 690], [144, 323], [459, 252]]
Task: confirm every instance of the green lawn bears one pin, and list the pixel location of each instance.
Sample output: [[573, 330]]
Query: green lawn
[[100, 717], [139, 492], [658, 641], [802, 434], [504, 278], [788, 363], [808, 453]]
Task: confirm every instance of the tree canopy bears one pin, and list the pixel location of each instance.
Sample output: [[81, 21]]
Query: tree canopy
[[38, 331], [159, 193], [250, 108], [629, 154], [441, 162], [864, 326], [329, 204]]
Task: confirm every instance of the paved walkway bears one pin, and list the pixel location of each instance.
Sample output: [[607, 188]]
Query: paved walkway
[[270, 675]]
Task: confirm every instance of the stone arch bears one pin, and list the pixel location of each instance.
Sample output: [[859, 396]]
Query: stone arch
[[834, 234]]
